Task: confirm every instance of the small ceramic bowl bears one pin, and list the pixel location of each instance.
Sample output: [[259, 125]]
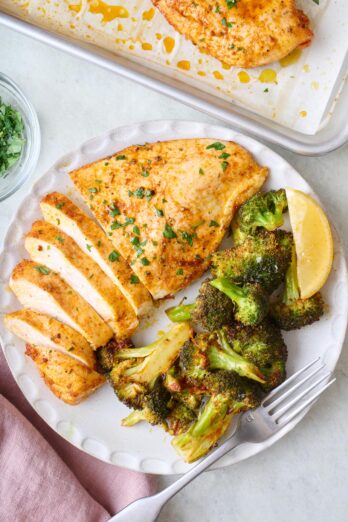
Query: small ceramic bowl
[[12, 95]]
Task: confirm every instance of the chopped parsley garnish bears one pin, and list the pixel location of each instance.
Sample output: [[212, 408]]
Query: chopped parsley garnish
[[168, 232], [187, 237], [134, 279], [180, 271], [217, 146], [225, 23], [115, 225], [136, 230], [201, 172], [145, 173], [224, 165], [148, 194], [93, 189], [114, 256], [11, 137], [135, 241], [129, 220], [89, 247], [60, 239], [213, 223], [59, 206], [231, 3], [114, 210], [43, 269], [145, 261], [224, 155], [159, 212], [121, 157]]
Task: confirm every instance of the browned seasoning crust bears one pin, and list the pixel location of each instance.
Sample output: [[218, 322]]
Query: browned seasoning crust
[[248, 34], [68, 379]]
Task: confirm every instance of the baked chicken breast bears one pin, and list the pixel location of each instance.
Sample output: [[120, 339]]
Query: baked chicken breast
[[42, 290], [60, 211], [243, 33], [42, 330], [166, 206], [67, 378], [49, 246]]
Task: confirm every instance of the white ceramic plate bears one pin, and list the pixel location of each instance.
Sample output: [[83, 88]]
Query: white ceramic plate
[[94, 426]]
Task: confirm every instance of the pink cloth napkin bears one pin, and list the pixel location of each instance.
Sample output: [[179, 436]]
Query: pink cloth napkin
[[44, 478]]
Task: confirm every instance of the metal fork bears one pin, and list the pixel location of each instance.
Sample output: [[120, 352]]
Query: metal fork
[[281, 406]]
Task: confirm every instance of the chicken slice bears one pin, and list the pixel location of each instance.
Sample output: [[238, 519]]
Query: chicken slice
[[42, 290], [175, 202], [51, 247], [67, 378], [40, 329], [59, 210], [243, 33]]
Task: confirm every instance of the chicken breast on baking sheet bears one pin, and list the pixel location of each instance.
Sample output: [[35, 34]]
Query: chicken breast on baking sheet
[[49, 246], [40, 329], [60, 211], [67, 378], [42, 290], [243, 33], [174, 201]]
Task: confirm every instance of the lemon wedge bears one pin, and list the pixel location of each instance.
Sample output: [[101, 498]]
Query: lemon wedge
[[313, 242]]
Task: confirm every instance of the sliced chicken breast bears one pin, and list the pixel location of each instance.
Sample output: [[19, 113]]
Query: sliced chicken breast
[[53, 248], [39, 288], [40, 329], [60, 211], [67, 378]]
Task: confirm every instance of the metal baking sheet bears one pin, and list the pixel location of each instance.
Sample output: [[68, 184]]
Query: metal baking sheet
[[334, 128]]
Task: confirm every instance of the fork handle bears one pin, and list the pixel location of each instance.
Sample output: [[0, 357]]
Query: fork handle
[[147, 509]]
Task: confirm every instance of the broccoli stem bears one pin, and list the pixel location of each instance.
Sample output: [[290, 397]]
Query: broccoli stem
[[148, 362], [233, 291], [291, 290], [225, 358], [207, 430], [133, 418], [180, 313]]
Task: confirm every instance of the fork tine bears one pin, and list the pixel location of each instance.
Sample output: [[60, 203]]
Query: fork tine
[[291, 390], [305, 405], [277, 414], [289, 380]]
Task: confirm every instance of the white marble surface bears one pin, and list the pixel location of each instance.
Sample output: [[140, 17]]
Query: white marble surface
[[304, 477]]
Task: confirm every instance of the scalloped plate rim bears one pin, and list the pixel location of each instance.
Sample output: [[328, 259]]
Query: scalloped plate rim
[[185, 130]]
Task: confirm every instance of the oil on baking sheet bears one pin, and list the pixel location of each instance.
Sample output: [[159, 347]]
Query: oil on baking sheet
[[295, 92]]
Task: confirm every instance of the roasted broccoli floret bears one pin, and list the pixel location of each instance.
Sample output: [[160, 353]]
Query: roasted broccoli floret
[[211, 311], [208, 352], [106, 354], [135, 370], [263, 346], [211, 424], [154, 407], [293, 312], [180, 418], [262, 258], [250, 300], [264, 210]]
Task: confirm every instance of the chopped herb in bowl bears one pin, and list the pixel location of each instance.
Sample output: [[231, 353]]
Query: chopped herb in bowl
[[11, 137]]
